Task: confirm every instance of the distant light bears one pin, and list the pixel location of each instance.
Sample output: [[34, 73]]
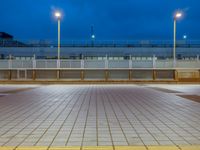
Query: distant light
[[58, 14], [93, 36], [178, 15], [184, 36]]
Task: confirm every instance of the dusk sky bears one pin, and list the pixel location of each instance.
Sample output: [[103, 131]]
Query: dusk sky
[[112, 19]]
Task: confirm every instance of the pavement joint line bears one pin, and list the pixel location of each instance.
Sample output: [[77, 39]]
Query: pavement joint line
[[126, 116], [154, 124], [152, 114], [114, 111], [86, 120], [26, 125], [79, 110], [107, 120], [20, 122], [160, 116], [167, 103], [65, 119], [97, 126], [39, 124], [181, 127], [191, 147], [21, 108], [175, 123], [130, 103]]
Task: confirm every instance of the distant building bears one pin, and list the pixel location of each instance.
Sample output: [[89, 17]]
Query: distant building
[[7, 40], [4, 35]]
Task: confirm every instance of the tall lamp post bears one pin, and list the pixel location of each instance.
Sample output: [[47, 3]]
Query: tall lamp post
[[176, 16], [58, 16]]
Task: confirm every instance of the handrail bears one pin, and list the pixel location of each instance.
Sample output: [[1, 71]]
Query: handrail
[[98, 43], [101, 64]]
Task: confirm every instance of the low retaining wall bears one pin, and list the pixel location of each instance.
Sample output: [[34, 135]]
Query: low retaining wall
[[100, 75]]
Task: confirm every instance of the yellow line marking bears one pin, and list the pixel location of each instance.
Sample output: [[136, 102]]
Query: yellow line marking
[[32, 148], [190, 147], [194, 147], [163, 148], [65, 148], [7, 148], [97, 148], [130, 148]]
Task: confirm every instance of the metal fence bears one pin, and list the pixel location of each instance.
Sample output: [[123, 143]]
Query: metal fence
[[98, 43], [96, 64]]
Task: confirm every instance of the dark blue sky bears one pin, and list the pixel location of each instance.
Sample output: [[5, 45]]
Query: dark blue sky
[[112, 19]]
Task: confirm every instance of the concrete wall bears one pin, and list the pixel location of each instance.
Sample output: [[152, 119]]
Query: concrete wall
[[98, 51], [104, 75]]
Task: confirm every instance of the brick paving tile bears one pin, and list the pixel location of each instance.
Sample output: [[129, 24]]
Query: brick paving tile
[[98, 115]]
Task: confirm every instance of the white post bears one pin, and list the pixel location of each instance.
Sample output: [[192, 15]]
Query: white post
[[58, 63], [58, 15], [45, 63], [197, 58], [34, 61], [58, 40], [10, 62], [174, 50], [106, 62], [58, 60], [130, 62], [154, 61], [82, 63]]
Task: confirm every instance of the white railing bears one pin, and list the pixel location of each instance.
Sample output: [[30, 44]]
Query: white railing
[[70, 63], [165, 64], [118, 64], [96, 64], [143, 64]]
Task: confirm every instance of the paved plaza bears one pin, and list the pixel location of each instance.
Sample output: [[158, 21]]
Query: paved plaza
[[99, 115]]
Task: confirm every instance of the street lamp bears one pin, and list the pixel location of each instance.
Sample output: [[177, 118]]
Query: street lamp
[[58, 16], [184, 37], [176, 16], [93, 37]]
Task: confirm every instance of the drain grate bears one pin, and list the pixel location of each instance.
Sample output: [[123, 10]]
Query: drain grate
[[195, 98], [17, 90], [165, 90], [2, 95]]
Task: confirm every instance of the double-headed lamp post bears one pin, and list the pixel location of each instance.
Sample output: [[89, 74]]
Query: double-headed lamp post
[[58, 16], [176, 16]]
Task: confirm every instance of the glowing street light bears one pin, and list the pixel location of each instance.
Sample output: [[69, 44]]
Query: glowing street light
[[93, 36], [176, 16], [58, 16], [184, 37]]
